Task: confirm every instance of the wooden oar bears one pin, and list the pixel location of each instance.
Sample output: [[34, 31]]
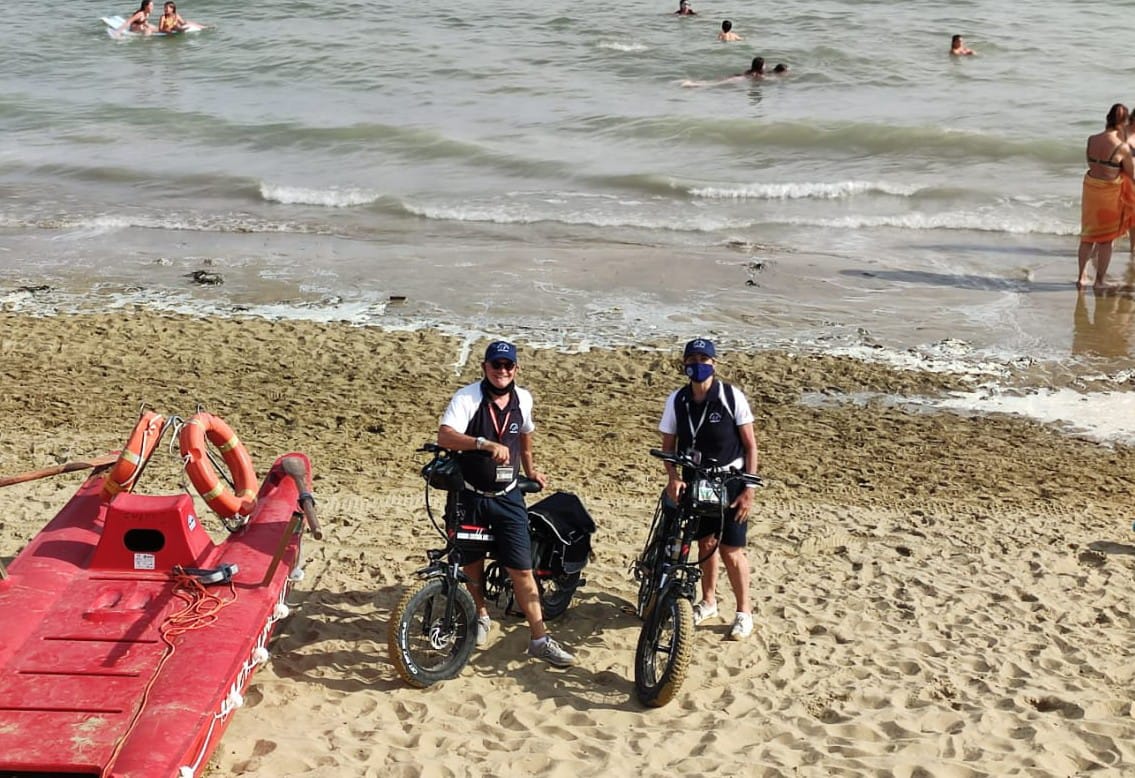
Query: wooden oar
[[66, 467], [292, 528]]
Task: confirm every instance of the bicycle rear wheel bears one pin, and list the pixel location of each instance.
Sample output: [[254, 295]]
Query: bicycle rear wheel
[[556, 593], [664, 649], [425, 647]]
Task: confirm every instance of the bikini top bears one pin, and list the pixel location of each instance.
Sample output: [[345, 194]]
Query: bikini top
[[1108, 162]]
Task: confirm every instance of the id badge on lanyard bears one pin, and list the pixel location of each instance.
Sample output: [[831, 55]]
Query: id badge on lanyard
[[504, 472]]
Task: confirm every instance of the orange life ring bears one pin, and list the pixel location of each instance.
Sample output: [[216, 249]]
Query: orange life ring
[[213, 490], [140, 445]]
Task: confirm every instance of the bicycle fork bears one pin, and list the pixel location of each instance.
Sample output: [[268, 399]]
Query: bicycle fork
[[440, 632]]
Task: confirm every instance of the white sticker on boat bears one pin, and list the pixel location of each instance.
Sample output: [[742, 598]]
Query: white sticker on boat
[[192, 521], [143, 561]]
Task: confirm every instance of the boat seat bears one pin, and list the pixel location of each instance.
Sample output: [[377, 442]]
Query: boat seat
[[150, 532]]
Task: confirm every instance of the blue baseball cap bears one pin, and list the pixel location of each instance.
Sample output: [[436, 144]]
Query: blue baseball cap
[[700, 346], [500, 349]]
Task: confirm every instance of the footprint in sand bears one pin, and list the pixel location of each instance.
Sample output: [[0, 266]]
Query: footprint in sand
[[1092, 558], [1049, 704], [831, 543]]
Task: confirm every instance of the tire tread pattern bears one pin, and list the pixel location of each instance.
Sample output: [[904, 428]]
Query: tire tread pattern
[[402, 619], [669, 681]]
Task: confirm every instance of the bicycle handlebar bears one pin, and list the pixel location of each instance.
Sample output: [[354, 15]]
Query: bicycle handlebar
[[523, 484], [705, 466]]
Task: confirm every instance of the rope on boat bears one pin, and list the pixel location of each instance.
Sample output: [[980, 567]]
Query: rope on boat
[[200, 609]]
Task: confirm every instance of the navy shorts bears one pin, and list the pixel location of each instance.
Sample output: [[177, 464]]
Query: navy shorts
[[733, 533], [507, 517]]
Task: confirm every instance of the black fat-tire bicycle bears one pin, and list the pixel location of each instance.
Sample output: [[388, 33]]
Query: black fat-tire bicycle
[[432, 630], [668, 579]]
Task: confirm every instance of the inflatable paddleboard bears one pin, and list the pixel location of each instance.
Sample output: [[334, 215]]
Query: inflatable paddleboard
[[114, 22]]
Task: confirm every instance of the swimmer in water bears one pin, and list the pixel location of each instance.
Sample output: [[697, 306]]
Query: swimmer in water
[[727, 33], [684, 9], [756, 69], [958, 48]]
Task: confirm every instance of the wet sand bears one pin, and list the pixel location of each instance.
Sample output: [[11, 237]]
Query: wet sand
[[935, 594]]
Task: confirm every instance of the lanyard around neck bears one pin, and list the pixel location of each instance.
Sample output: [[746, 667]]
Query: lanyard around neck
[[690, 416], [500, 426]]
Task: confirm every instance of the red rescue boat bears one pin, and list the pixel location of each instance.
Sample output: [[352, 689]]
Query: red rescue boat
[[129, 637]]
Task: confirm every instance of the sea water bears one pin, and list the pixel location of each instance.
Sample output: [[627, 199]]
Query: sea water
[[577, 174]]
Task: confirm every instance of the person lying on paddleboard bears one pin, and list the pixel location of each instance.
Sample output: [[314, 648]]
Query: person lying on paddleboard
[[139, 21]]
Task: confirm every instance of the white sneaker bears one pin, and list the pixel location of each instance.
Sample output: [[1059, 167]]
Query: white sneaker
[[551, 652], [484, 626], [703, 611], [742, 626]]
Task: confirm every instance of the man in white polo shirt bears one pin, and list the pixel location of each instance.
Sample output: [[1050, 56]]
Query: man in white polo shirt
[[491, 421]]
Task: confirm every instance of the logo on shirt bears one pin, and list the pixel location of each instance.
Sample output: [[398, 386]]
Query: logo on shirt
[[715, 417], [513, 428]]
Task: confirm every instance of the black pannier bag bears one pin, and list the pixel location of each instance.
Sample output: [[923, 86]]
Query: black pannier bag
[[444, 472], [561, 520]]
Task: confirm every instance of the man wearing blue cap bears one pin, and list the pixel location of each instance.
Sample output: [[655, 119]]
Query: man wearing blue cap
[[714, 418], [492, 420]]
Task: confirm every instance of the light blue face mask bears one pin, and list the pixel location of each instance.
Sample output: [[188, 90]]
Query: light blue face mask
[[699, 371]]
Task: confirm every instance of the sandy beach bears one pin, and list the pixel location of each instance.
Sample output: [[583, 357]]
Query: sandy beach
[[936, 594]]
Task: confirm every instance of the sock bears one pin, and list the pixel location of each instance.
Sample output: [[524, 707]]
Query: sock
[[538, 643]]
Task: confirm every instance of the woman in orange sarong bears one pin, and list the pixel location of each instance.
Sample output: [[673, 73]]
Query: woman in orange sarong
[[1108, 208]]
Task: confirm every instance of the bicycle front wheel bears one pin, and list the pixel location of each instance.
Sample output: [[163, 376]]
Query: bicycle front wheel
[[424, 645], [664, 649]]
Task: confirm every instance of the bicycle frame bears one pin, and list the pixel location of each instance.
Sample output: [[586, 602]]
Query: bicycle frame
[[675, 569], [668, 579], [443, 564]]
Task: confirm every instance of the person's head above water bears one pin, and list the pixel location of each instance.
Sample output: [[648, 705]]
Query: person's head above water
[[1117, 116], [758, 65], [726, 26], [780, 68]]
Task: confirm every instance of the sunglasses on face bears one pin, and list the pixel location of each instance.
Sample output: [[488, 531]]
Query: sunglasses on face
[[501, 364]]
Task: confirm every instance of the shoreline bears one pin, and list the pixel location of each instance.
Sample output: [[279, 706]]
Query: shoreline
[[948, 302], [924, 582]]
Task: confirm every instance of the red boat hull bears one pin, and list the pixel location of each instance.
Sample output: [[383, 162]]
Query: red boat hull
[[111, 664]]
